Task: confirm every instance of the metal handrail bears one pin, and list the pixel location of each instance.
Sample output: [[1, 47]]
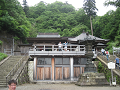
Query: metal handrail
[[118, 66], [15, 67], [7, 51]]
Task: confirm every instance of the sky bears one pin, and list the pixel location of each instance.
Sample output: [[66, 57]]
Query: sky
[[77, 4]]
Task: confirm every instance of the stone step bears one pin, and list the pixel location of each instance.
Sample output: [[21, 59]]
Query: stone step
[[2, 81], [7, 66], [14, 59], [3, 86], [8, 69], [4, 77], [11, 61], [3, 73]]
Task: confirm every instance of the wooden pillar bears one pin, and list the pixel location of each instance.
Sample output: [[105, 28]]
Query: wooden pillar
[[34, 47], [34, 68], [44, 47], [53, 68], [52, 47], [71, 67]]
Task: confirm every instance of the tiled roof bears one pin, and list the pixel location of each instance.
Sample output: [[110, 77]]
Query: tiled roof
[[83, 36]]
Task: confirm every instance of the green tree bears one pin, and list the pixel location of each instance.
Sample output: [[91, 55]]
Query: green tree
[[13, 19], [60, 7], [77, 30], [25, 7], [115, 3], [90, 8]]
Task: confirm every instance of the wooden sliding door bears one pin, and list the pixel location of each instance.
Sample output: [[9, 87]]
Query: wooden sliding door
[[44, 69], [62, 69], [58, 73]]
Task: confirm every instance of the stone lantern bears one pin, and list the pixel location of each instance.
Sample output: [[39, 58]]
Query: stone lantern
[[90, 77], [88, 42]]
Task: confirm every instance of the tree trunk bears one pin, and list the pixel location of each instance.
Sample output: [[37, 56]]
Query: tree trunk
[[91, 25]]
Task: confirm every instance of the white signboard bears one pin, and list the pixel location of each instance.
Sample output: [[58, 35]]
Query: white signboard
[[111, 65]]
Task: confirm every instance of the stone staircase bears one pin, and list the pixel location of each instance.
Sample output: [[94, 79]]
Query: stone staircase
[[111, 58], [6, 67]]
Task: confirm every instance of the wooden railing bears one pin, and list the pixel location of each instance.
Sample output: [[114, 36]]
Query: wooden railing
[[15, 68], [56, 48]]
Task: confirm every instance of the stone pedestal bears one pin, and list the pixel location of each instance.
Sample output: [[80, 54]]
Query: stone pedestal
[[92, 79]]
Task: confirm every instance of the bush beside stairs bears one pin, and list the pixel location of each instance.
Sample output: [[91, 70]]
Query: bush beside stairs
[[6, 67]]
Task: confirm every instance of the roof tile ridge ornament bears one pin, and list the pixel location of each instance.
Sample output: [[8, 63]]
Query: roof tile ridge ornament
[[87, 34]]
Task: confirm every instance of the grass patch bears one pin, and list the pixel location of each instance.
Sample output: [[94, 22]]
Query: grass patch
[[2, 56]]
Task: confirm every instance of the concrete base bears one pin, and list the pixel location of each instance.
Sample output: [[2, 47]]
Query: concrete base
[[92, 79]]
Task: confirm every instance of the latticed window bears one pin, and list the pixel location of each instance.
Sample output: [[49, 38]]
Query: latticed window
[[44, 61], [80, 61], [65, 61]]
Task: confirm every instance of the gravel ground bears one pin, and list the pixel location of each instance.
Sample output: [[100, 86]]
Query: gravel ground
[[62, 87]]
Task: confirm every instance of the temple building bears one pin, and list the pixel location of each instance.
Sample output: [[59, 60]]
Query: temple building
[[50, 63]]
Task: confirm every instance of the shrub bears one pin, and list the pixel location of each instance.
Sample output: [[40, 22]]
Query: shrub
[[1, 42], [100, 67]]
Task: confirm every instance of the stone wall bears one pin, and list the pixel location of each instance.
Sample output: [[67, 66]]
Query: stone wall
[[7, 40], [30, 70]]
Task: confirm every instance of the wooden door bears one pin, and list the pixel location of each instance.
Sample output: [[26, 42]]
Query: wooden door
[[47, 73], [76, 72], [66, 73], [58, 73], [40, 71]]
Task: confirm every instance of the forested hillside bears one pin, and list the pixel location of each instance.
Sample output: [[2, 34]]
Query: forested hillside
[[25, 21], [58, 17]]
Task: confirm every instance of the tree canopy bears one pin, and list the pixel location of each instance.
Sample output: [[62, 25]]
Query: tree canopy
[[115, 3], [58, 17], [13, 19]]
